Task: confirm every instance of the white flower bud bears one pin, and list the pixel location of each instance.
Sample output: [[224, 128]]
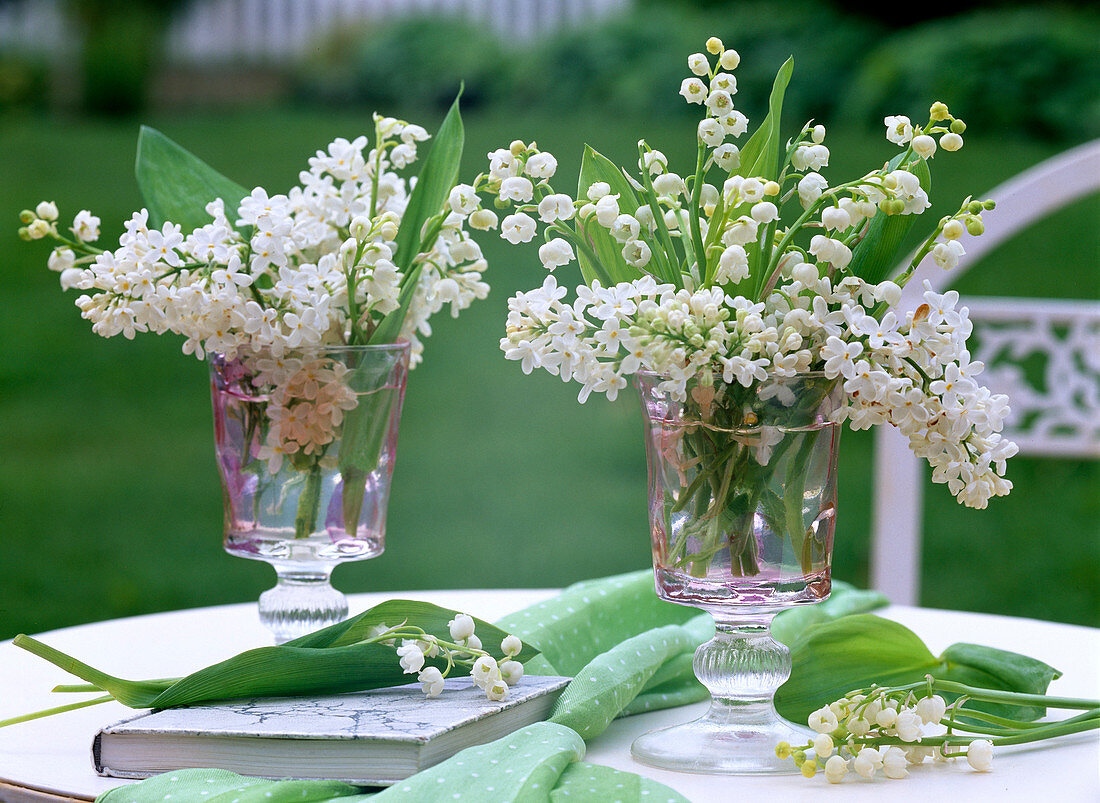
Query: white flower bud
[[953, 229], [889, 292], [473, 642], [496, 690], [806, 273], [447, 291], [867, 761], [834, 218], [511, 672], [818, 134], [463, 199], [46, 210], [412, 659], [730, 59], [668, 185], [38, 229], [894, 763], [61, 259], [979, 755], [431, 681], [483, 220], [598, 190], [461, 627], [556, 253], [71, 277], [835, 769], [511, 646], [931, 709], [764, 212], [924, 146], [823, 745], [607, 210], [951, 141]]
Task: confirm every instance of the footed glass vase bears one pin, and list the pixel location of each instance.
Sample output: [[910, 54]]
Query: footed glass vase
[[305, 445], [742, 509]]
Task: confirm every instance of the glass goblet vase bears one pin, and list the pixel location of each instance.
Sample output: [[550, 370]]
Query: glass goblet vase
[[306, 443], [742, 505]]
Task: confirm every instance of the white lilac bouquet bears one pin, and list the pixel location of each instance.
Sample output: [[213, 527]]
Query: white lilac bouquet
[[755, 266], [352, 255], [285, 291]]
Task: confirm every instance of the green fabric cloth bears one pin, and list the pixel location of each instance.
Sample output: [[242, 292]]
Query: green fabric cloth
[[538, 763], [627, 652]]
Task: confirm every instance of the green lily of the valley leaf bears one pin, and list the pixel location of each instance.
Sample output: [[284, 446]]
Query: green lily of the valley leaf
[[329, 661], [854, 652], [436, 179], [760, 155], [177, 185], [991, 668], [845, 600], [876, 255], [597, 167], [850, 653]]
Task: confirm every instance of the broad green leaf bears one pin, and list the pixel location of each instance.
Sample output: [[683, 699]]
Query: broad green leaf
[[877, 254], [850, 653], [329, 661], [760, 156], [177, 185], [845, 600], [991, 668], [597, 167], [436, 180], [831, 659]]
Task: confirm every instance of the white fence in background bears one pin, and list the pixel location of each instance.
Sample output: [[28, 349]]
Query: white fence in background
[[272, 31]]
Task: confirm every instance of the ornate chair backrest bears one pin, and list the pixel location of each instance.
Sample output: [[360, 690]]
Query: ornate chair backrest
[[1055, 410]]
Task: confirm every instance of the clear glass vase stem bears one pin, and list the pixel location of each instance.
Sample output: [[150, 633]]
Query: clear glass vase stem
[[302, 600], [742, 666]]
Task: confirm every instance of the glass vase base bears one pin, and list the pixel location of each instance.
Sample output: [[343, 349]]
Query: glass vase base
[[724, 741]]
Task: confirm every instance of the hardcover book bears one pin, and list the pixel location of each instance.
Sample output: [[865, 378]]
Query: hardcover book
[[375, 737]]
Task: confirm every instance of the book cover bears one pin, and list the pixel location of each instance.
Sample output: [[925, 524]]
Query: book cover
[[374, 737]]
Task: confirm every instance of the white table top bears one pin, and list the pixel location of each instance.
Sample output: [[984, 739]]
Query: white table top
[[52, 755]]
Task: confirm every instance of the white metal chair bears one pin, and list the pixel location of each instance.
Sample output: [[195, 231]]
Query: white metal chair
[[1060, 419]]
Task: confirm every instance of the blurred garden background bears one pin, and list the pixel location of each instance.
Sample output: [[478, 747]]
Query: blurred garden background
[[109, 497]]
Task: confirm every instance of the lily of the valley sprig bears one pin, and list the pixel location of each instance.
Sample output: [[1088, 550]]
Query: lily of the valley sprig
[[360, 653], [890, 729], [755, 264]]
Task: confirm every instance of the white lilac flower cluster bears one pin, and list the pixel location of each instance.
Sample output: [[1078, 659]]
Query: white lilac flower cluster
[[883, 732], [307, 399], [489, 675], [768, 298], [313, 267]]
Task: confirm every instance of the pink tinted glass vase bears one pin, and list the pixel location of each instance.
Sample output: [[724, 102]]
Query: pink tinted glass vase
[[742, 509], [306, 443]]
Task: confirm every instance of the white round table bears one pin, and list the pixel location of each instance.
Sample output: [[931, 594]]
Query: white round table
[[49, 759]]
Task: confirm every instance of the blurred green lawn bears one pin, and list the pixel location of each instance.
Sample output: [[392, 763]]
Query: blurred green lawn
[[109, 498]]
